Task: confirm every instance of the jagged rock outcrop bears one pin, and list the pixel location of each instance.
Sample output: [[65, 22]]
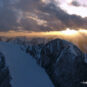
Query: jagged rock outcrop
[[35, 50], [4, 73], [64, 63]]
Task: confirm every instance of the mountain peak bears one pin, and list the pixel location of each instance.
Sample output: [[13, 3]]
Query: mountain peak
[[64, 63]]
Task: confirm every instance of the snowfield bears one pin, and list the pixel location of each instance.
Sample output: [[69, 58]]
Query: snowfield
[[23, 68]]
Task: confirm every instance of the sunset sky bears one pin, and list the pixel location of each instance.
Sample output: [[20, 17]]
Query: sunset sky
[[21, 17]]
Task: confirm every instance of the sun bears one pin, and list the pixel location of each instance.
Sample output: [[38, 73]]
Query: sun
[[69, 32]]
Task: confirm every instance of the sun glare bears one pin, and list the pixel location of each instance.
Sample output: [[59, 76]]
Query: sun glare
[[69, 32], [64, 33]]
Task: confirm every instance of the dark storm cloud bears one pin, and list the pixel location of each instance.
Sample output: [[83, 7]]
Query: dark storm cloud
[[56, 20], [33, 15], [71, 21], [75, 3], [27, 5], [12, 14], [7, 16]]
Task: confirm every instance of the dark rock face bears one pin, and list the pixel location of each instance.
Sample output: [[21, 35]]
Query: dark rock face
[[4, 73], [64, 63], [35, 50]]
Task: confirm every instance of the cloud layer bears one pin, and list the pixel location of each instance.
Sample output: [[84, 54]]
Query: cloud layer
[[36, 15]]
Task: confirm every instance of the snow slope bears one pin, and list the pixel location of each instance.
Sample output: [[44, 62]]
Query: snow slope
[[23, 68], [65, 63]]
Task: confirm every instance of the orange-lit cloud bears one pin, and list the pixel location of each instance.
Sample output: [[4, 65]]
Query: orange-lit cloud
[[33, 15], [65, 33], [78, 37], [29, 34]]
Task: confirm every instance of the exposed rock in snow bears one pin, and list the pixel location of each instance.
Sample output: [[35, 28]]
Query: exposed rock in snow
[[4, 73], [24, 70], [65, 63], [35, 50], [85, 55]]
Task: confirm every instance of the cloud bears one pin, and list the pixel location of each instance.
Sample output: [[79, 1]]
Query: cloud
[[34, 15], [72, 21], [75, 3], [7, 16], [78, 3]]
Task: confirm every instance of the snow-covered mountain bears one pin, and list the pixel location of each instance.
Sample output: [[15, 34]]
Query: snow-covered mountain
[[4, 73], [60, 64], [26, 41], [23, 68], [65, 64]]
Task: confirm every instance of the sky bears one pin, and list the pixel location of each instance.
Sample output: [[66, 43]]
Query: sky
[[42, 15], [65, 19], [77, 7]]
